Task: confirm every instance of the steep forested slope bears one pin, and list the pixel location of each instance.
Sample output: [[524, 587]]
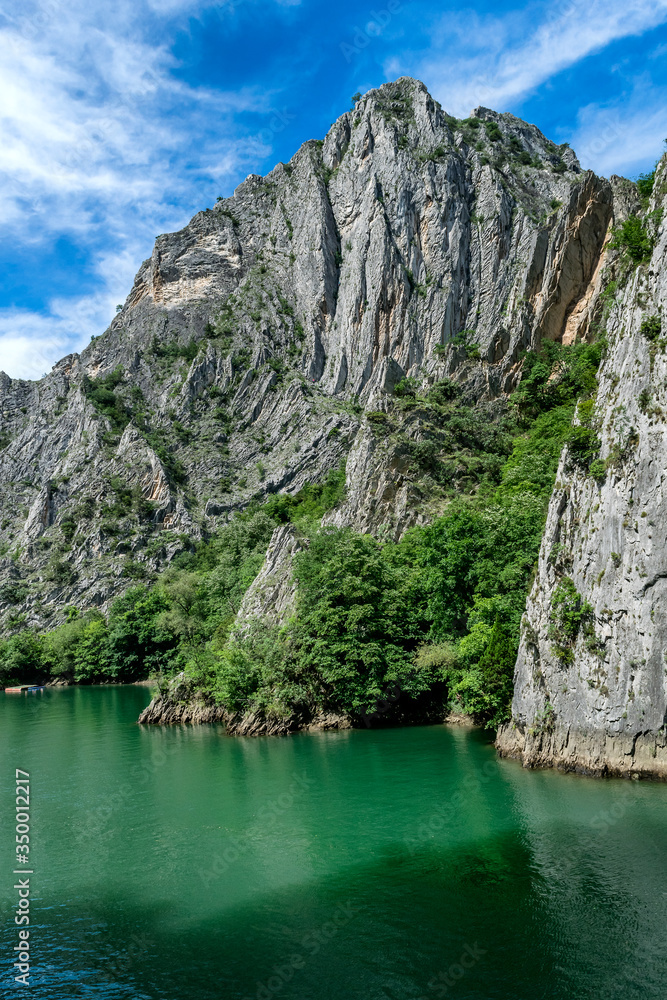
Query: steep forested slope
[[363, 366]]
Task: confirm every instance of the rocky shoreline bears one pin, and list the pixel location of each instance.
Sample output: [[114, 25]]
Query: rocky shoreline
[[599, 754], [166, 711], [171, 709]]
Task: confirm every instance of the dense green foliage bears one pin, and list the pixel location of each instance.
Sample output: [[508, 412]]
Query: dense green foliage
[[353, 636], [155, 630], [100, 392], [557, 375], [435, 616], [439, 611], [645, 184], [633, 238], [380, 630]]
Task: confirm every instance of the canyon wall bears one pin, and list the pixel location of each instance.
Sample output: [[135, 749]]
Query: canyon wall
[[591, 689]]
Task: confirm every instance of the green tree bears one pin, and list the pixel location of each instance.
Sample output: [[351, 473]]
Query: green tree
[[92, 658], [186, 611], [353, 633], [21, 658], [633, 238], [60, 645], [449, 555], [139, 644], [645, 184], [496, 672]]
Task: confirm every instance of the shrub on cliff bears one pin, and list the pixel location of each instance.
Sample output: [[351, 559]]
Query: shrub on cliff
[[583, 442], [569, 614], [633, 238], [101, 393], [557, 375], [651, 328], [645, 184]]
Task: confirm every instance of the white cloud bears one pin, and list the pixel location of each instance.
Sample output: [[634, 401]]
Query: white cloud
[[103, 143], [502, 69], [31, 343], [29, 353], [71, 134], [620, 138]]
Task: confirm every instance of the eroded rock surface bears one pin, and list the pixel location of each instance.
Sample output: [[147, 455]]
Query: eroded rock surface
[[258, 348], [254, 339], [601, 706]]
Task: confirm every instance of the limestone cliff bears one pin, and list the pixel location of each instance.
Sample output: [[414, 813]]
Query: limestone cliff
[[259, 348], [256, 341], [591, 691]]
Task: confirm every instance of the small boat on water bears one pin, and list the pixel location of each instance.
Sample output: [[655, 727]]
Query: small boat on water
[[27, 688]]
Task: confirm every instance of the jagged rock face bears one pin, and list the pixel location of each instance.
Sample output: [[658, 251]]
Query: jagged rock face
[[271, 594], [253, 339], [606, 710]]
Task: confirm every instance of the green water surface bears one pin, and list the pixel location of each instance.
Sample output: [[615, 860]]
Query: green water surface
[[174, 863]]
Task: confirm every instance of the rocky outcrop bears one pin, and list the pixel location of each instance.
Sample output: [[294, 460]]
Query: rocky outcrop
[[591, 751], [271, 594], [165, 710], [179, 708], [253, 340], [591, 691], [259, 348]]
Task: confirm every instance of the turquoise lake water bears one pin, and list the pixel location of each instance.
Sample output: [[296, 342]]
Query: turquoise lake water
[[174, 863]]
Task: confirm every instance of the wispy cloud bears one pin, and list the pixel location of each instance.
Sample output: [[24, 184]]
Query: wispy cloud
[[32, 342], [507, 58], [97, 134], [620, 137], [96, 115], [104, 142]]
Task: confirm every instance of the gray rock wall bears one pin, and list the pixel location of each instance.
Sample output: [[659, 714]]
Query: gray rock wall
[[605, 711], [300, 302]]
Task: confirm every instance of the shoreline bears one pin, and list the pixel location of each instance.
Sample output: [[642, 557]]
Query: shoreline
[[596, 754], [636, 756], [165, 711]]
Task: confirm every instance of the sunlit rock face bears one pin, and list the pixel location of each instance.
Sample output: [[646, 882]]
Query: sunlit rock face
[[257, 341], [602, 706]]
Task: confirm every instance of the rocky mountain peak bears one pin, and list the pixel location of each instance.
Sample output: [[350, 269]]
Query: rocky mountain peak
[[406, 243]]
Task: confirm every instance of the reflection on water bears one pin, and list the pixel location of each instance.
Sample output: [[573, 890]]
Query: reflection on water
[[174, 863]]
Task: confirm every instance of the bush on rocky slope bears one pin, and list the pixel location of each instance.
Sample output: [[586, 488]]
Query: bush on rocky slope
[[433, 617], [634, 239]]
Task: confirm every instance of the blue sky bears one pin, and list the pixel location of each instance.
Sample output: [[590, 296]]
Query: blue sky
[[120, 120]]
